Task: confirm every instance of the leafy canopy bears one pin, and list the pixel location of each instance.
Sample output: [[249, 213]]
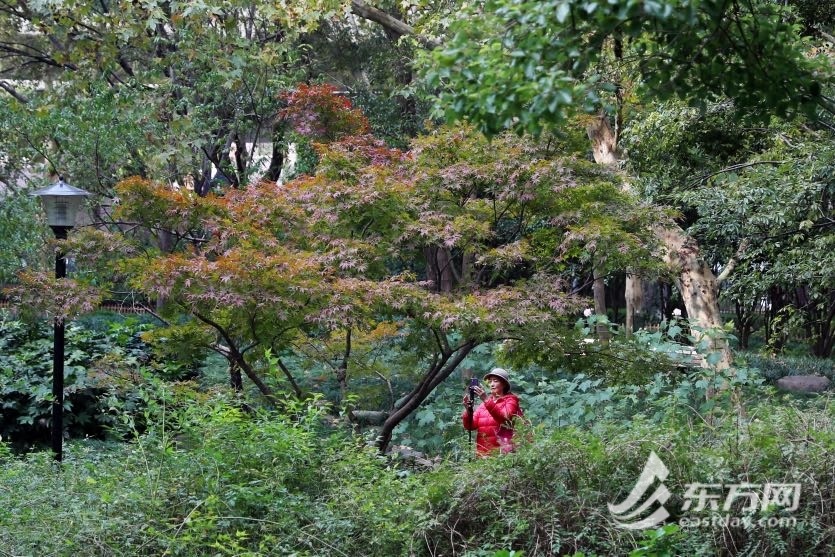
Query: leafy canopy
[[527, 64]]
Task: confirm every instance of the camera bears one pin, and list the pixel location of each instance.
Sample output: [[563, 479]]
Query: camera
[[471, 392]]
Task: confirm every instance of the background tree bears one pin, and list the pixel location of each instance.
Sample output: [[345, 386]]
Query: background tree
[[554, 56], [181, 94], [19, 234], [762, 187], [201, 81]]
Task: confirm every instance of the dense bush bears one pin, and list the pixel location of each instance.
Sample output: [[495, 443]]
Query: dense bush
[[551, 496], [211, 478]]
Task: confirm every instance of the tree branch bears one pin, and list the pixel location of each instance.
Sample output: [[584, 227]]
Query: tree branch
[[390, 23], [237, 357], [289, 376], [731, 265], [732, 168], [6, 86], [434, 376]]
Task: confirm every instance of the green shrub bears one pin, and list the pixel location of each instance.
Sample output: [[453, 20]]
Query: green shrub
[[103, 364], [775, 367], [210, 478]]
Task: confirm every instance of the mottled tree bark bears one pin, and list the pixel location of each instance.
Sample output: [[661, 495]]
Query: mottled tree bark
[[697, 285], [604, 142], [695, 280]]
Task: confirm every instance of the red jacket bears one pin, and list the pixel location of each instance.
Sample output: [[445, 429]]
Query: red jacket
[[493, 421]]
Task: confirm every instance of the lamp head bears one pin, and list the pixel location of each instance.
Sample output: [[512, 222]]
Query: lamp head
[[61, 202]]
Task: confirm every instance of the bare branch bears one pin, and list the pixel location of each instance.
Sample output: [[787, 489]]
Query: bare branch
[[731, 265], [732, 168], [390, 23], [6, 86]]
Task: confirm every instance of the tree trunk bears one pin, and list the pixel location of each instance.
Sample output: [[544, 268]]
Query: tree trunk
[[644, 302], [440, 369], [467, 269], [599, 290], [432, 268], [697, 285], [634, 294], [745, 316], [775, 339], [277, 158], [203, 183], [695, 280], [241, 159], [236, 380], [615, 289], [445, 263], [604, 147], [342, 368], [235, 358], [439, 268], [823, 336], [250, 373], [604, 142], [165, 241], [296, 389]]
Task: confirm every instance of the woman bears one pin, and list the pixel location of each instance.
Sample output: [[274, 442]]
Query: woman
[[493, 419]]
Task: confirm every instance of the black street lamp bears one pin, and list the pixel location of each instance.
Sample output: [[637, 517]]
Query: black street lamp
[[61, 202]]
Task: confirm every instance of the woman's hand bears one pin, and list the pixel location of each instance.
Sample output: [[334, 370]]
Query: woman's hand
[[479, 392]]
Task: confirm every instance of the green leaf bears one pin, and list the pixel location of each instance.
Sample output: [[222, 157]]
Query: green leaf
[[563, 9], [713, 358], [425, 416]]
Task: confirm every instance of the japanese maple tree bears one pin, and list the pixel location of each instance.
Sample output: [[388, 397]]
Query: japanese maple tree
[[424, 254]]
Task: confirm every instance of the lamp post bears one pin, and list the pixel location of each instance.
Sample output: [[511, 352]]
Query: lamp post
[[61, 202]]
